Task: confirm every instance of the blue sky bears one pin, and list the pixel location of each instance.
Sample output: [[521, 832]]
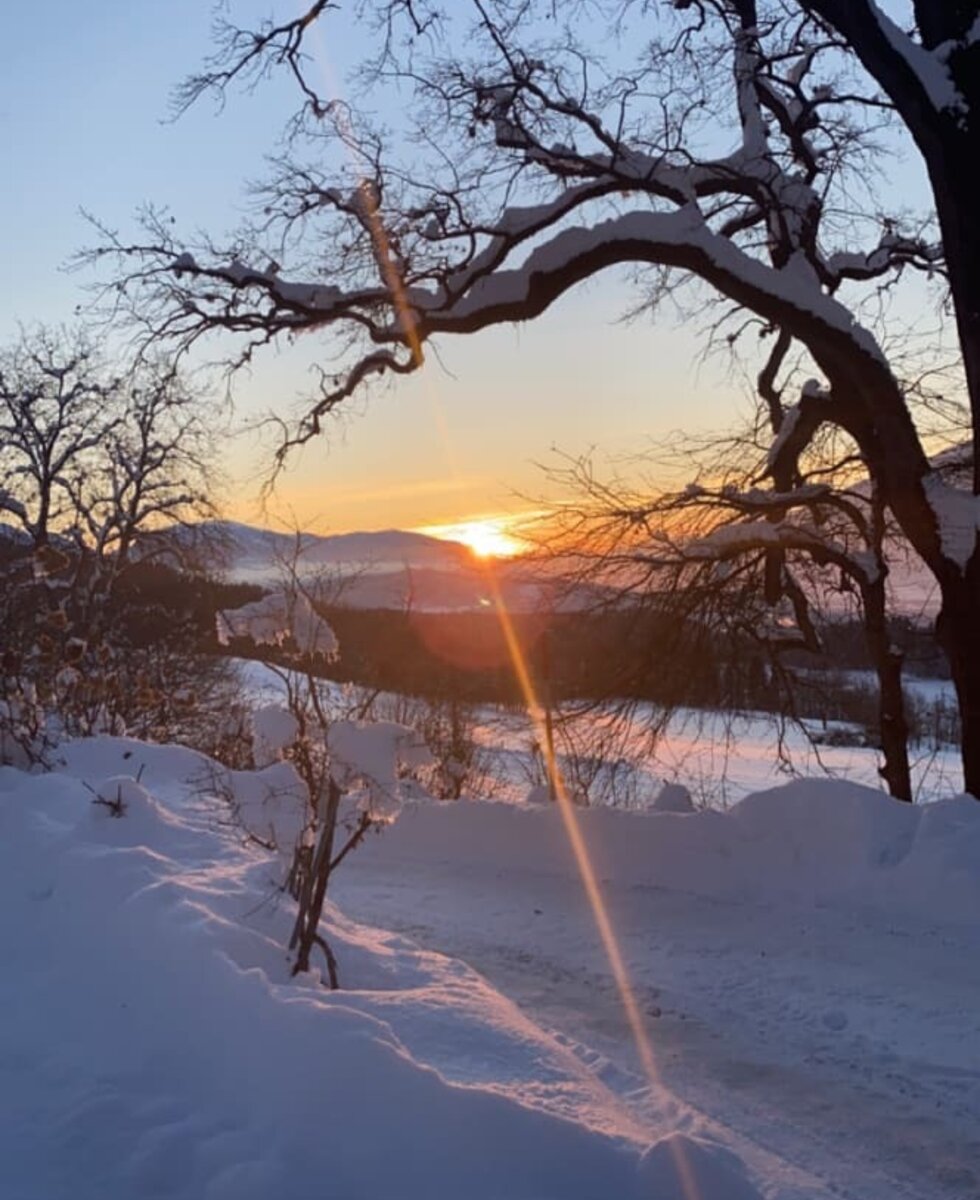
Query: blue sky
[[83, 108]]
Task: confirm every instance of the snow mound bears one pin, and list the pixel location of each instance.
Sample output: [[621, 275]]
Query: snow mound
[[122, 810], [673, 797], [823, 834]]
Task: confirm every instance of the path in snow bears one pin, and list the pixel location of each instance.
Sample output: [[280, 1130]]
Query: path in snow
[[842, 1041]]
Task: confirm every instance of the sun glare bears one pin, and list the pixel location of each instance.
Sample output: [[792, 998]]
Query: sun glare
[[487, 537]]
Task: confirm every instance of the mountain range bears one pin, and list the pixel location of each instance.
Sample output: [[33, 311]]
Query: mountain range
[[391, 568], [254, 553]]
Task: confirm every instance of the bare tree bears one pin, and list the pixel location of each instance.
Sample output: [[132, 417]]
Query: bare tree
[[793, 552], [736, 147], [333, 750], [723, 561], [92, 462], [155, 472], [92, 456], [57, 406]]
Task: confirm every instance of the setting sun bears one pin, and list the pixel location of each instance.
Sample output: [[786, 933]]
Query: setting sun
[[487, 537]]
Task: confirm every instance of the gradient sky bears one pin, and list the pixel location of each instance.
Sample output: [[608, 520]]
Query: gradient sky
[[83, 102]]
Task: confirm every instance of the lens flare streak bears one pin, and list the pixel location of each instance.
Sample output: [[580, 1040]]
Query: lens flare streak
[[395, 285], [586, 870]]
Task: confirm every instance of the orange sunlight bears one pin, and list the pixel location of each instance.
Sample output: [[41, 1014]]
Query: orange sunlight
[[487, 537]]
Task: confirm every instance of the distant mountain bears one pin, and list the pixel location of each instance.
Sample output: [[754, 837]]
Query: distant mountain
[[393, 568], [252, 554]]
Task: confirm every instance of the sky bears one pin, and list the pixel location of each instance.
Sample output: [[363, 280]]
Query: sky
[[83, 126]]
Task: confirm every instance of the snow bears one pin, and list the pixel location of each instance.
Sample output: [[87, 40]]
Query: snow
[[681, 238], [928, 66], [719, 757], [154, 1045], [673, 797], [271, 804], [807, 962], [274, 730], [741, 534], [276, 619], [372, 753], [957, 516], [679, 1165], [790, 420]]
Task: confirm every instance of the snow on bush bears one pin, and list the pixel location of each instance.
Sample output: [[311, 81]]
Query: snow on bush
[[371, 755], [277, 620], [368, 760], [273, 729], [271, 803]]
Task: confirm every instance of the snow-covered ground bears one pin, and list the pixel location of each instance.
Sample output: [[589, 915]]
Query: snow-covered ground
[[808, 964], [153, 1044], [807, 967], [719, 758]]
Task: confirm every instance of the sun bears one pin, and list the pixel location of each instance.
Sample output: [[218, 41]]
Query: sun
[[488, 540], [487, 537]]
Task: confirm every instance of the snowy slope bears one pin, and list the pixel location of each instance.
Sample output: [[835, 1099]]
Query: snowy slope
[[721, 758]]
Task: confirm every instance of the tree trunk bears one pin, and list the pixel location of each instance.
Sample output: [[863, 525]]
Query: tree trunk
[[306, 930], [956, 201], [957, 141], [958, 632], [947, 140], [892, 723]]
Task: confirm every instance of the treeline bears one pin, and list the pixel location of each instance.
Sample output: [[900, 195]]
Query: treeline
[[148, 603], [574, 656]]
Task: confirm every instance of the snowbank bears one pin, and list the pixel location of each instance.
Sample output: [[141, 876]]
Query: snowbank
[[811, 841]]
